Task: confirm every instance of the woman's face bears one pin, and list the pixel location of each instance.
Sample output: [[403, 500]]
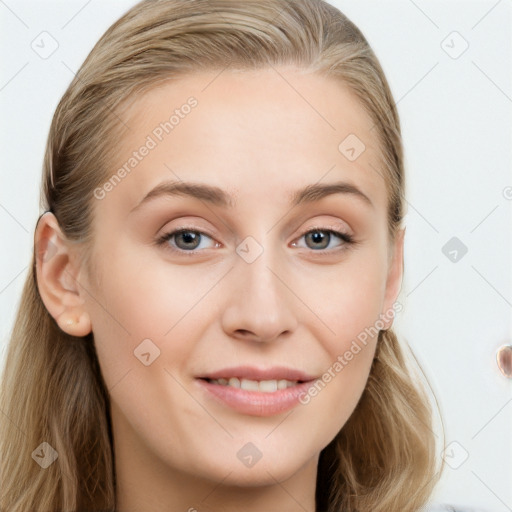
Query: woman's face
[[245, 292]]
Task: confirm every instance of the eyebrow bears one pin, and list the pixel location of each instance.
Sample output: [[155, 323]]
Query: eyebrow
[[218, 197]]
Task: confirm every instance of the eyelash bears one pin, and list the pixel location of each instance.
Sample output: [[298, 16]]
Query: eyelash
[[164, 239]]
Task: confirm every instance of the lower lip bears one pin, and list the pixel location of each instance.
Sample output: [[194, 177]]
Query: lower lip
[[256, 403]]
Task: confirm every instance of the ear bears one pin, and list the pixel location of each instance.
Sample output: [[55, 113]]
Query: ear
[[394, 278], [57, 267]]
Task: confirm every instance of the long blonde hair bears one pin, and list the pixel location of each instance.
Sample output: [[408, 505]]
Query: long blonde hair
[[52, 390]]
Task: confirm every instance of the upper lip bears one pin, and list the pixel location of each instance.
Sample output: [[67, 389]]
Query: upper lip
[[254, 373]]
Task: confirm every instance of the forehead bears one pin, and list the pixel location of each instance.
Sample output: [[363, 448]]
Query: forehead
[[241, 130]]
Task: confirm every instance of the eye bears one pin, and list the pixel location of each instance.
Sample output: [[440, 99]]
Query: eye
[[185, 240], [320, 239]]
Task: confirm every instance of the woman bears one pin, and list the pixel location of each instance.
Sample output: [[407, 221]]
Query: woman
[[182, 344]]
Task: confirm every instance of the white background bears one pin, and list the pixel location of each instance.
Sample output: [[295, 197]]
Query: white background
[[456, 121]]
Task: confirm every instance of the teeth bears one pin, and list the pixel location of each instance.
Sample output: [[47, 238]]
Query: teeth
[[234, 382], [282, 384], [264, 386], [268, 386], [249, 385]]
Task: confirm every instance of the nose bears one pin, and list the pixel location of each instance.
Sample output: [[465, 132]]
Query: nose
[[260, 303]]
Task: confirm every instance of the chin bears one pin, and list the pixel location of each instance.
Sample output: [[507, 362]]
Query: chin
[[234, 473], [259, 475]]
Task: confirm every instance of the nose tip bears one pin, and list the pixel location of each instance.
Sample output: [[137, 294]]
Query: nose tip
[[261, 335], [259, 307]]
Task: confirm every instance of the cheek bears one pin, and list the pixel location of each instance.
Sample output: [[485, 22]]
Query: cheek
[[133, 303], [347, 298], [141, 297], [348, 301]]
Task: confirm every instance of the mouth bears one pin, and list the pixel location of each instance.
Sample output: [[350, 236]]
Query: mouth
[[257, 374], [256, 392], [263, 386]]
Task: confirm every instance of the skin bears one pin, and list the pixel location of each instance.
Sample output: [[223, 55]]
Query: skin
[[301, 306]]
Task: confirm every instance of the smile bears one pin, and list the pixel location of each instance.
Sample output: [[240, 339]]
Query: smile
[[264, 386], [253, 397]]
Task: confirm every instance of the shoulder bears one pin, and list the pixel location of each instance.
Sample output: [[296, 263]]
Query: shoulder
[[450, 508]]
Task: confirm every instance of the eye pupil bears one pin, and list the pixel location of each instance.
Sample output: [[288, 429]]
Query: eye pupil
[[318, 237], [188, 237]]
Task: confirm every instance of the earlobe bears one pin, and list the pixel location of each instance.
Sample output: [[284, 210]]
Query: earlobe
[[57, 270], [394, 279], [76, 326]]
